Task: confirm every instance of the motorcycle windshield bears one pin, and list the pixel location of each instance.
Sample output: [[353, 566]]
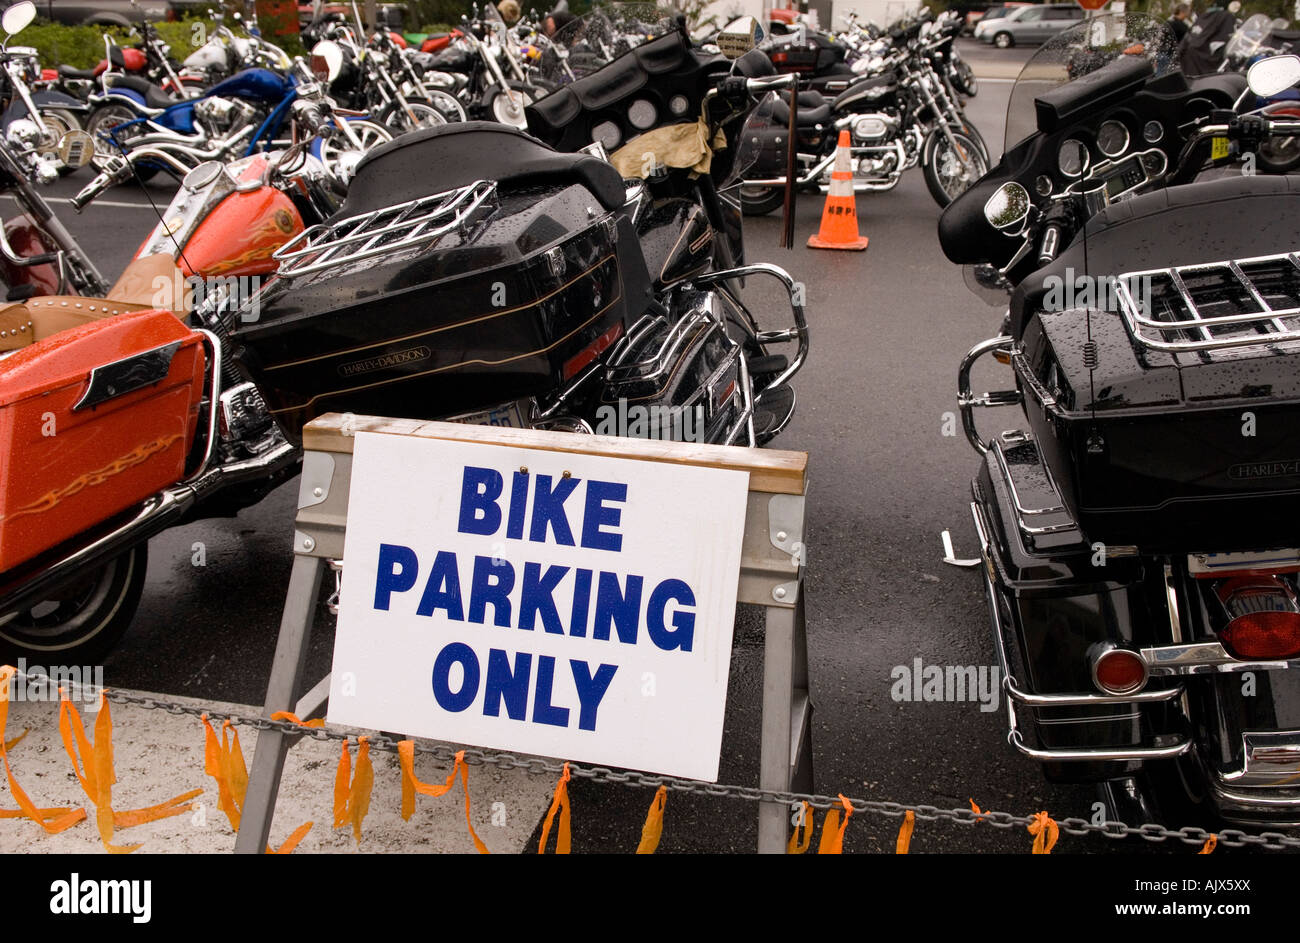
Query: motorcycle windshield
[[585, 44], [750, 141], [1080, 50], [1249, 36]]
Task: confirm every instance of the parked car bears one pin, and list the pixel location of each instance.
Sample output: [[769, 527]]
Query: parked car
[[1029, 25], [106, 12], [993, 11]]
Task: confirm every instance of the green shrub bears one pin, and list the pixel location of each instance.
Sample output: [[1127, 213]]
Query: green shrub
[[83, 46]]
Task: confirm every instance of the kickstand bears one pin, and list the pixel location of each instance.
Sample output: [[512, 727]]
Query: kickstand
[[950, 557]]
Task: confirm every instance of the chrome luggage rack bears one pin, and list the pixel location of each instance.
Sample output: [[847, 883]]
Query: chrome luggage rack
[[386, 230], [1215, 305]]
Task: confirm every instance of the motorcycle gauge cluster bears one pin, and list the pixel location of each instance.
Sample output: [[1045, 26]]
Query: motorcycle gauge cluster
[[607, 135], [1112, 138], [1072, 158], [642, 114]]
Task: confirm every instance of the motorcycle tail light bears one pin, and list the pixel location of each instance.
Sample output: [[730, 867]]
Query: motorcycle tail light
[[579, 361], [1119, 671], [1264, 618]]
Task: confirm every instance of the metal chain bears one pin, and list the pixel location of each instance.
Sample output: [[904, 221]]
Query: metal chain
[[535, 766]]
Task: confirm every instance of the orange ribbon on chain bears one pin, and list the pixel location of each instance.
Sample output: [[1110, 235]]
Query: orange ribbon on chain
[[798, 843], [1045, 832], [411, 785], [224, 762], [559, 803], [342, 786], [291, 842], [94, 771], [52, 820], [832, 842], [314, 724], [1210, 844], [352, 793], [905, 833], [653, 828]]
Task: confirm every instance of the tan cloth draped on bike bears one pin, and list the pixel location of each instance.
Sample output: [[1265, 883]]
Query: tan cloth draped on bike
[[673, 145]]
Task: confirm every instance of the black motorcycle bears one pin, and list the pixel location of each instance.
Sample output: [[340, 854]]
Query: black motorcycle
[[473, 273], [904, 115], [1137, 537]]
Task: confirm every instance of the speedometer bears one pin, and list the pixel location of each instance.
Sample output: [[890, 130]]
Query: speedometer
[[1072, 158], [1112, 138]]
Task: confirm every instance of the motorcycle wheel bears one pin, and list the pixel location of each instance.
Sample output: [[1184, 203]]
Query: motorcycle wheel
[[82, 620], [101, 120], [396, 119], [948, 174], [60, 121], [370, 134], [507, 105], [759, 201]]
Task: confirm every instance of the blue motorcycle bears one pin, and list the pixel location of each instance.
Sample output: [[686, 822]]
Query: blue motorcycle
[[252, 111]]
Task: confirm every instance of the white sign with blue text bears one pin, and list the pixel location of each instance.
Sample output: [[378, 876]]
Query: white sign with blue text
[[560, 604]]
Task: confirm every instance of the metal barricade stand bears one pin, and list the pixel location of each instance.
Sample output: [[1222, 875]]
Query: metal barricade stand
[[771, 575]]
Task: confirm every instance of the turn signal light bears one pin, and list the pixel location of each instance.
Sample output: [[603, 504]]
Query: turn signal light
[[1119, 671]]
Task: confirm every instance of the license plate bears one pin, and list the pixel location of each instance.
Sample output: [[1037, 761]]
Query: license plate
[[1208, 564], [510, 416], [1218, 148]]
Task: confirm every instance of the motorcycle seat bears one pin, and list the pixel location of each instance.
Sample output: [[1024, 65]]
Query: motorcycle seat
[[68, 72], [25, 323], [431, 160], [813, 109], [154, 97]]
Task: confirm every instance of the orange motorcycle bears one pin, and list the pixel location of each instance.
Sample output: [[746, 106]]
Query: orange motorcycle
[[129, 420]]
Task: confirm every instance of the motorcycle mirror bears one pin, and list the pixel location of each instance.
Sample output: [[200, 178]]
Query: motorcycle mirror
[[1008, 208], [326, 60], [76, 148], [18, 17], [739, 37], [1268, 77]]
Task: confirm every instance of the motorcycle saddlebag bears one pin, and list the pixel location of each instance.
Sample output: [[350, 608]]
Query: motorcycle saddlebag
[[509, 305], [93, 420], [1191, 449]]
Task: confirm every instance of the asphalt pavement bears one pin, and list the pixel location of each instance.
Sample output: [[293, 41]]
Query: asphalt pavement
[[889, 327]]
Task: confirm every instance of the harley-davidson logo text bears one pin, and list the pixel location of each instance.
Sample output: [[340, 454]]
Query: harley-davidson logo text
[[1248, 470], [397, 359]]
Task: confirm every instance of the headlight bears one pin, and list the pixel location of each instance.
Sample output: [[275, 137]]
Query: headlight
[[23, 134]]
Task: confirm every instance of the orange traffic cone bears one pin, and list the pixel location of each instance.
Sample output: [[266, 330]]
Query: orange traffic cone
[[840, 217]]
